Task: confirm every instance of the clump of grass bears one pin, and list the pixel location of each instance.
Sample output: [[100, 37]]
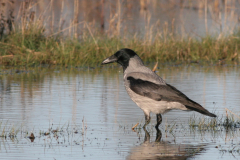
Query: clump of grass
[[14, 131], [204, 123], [8, 131]]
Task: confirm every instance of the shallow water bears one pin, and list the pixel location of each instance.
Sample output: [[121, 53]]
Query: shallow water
[[94, 115]]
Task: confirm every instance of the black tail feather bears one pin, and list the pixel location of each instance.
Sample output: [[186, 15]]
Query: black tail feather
[[201, 110]]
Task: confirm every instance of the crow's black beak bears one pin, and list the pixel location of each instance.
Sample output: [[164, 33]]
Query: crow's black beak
[[110, 59]]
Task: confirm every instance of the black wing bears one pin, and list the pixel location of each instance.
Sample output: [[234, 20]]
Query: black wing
[[155, 91], [166, 92]]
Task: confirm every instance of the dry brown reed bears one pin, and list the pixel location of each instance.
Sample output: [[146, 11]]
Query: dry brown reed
[[83, 32]]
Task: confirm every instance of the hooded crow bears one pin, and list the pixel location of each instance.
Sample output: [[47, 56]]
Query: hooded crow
[[149, 91]]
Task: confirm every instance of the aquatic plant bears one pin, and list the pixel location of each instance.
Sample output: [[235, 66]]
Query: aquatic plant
[[230, 121]]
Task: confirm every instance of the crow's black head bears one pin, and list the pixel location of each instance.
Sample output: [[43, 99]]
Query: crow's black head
[[122, 57]]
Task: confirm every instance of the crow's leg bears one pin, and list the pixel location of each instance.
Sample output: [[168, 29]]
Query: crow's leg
[[159, 120]]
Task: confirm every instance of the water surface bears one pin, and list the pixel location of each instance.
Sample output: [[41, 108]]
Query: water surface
[[94, 115]]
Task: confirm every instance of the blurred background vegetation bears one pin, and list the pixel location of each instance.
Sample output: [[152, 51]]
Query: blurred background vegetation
[[83, 32]]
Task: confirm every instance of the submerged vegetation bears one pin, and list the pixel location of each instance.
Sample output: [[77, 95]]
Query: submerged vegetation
[[201, 124], [230, 121]]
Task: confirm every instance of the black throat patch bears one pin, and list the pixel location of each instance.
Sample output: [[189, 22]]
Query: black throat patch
[[124, 56]]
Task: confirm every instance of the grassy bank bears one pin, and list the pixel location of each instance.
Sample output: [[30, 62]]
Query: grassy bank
[[39, 32], [32, 47]]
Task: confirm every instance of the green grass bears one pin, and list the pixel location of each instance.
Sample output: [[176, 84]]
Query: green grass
[[230, 122], [32, 46]]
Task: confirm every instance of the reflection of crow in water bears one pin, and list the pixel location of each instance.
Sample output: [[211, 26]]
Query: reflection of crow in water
[[162, 150]]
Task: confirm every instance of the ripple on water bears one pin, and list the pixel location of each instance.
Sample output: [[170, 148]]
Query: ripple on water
[[94, 115]]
